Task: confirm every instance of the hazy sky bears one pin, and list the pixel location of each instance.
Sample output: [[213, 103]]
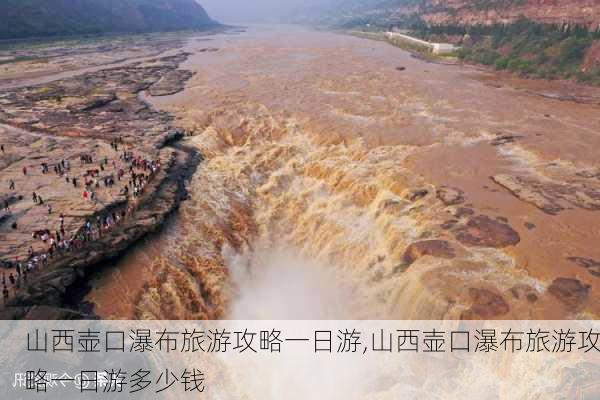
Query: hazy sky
[[253, 10]]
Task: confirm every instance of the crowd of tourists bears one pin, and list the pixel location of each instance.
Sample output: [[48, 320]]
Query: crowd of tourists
[[132, 172]]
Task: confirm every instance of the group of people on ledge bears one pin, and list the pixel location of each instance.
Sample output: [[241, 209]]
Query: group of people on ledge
[[59, 242]]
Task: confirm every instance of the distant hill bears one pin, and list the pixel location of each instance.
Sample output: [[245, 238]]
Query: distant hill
[[40, 18]]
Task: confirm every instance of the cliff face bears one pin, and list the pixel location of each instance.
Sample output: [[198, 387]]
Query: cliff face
[[488, 12], [37, 18], [470, 12]]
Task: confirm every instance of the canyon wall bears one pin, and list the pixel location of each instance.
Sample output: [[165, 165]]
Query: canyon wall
[[465, 12], [488, 12]]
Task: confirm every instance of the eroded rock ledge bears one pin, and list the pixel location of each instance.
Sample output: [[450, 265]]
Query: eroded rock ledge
[[46, 289], [82, 115], [101, 104]]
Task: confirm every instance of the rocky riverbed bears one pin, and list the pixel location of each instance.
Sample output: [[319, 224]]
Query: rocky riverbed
[[56, 124]]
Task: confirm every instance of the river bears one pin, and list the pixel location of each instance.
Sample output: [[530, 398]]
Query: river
[[325, 162]]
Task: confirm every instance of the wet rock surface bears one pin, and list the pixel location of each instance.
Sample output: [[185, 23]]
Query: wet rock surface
[[553, 196], [591, 265], [528, 192], [504, 139], [449, 224], [416, 194], [173, 82], [487, 232], [485, 304], [571, 292], [450, 196], [461, 212], [435, 248], [525, 292]]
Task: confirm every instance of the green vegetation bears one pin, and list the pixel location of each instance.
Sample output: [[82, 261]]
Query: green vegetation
[[43, 18], [525, 47]]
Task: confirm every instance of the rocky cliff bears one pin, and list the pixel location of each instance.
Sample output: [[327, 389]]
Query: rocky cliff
[[467, 12], [489, 12], [38, 18]]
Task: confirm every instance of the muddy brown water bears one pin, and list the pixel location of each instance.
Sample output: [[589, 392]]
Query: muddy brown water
[[314, 142]]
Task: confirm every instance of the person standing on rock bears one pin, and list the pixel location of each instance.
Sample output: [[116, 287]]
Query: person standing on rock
[[49, 209], [34, 197], [25, 171], [6, 206], [11, 185]]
